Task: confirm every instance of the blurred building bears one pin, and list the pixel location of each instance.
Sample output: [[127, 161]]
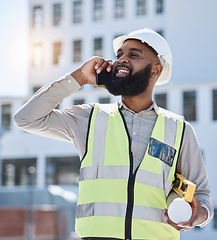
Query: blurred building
[[65, 33]]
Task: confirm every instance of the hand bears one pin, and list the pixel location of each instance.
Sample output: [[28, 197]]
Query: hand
[[86, 74], [199, 215]]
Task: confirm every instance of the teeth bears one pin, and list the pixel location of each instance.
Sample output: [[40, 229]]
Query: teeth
[[122, 71]]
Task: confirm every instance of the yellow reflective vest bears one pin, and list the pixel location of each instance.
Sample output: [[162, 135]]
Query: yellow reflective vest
[[115, 201]]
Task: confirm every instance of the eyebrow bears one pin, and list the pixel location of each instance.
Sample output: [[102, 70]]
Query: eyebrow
[[131, 49], [136, 49]]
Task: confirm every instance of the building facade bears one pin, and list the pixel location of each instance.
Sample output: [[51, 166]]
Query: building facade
[[65, 33]]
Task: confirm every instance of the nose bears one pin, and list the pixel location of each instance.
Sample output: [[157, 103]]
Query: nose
[[123, 59]]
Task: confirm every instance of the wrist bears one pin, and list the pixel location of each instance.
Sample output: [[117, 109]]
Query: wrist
[[204, 214], [78, 76]]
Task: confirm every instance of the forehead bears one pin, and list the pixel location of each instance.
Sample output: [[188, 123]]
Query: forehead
[[133, 44]]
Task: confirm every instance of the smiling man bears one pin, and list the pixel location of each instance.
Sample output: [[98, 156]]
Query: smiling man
[[129, 151], [126, 81]]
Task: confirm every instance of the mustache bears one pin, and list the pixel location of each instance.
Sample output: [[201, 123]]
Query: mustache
[[122, 65]]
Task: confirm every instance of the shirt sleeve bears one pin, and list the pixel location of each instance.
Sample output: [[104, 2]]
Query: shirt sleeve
[[39, 116], [191, 166]]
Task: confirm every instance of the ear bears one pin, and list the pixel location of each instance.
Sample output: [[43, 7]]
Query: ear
[[156, 70]]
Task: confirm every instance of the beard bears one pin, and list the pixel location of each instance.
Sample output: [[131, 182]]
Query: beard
[[131, 85]]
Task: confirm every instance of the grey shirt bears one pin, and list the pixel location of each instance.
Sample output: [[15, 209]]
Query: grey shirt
[[40, 117]]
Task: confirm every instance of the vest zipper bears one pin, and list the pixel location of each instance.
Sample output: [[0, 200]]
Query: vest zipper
[[130, 189], [130, 201]]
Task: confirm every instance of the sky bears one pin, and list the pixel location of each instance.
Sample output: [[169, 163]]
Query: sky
[[13, 47]]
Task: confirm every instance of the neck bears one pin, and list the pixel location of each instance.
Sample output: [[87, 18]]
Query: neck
[[138, 103]]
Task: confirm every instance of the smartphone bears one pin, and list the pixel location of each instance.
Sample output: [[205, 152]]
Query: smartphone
[[102, 77]]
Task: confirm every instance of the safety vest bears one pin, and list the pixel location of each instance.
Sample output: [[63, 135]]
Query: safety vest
[[114, 201]]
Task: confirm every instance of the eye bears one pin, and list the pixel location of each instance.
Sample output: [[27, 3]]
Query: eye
[[134, 55], [118, 56]]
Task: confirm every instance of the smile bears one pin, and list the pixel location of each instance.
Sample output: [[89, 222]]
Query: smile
[[122, 72]]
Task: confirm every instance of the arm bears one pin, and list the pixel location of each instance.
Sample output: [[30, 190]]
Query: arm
[[191, 165], [40, 117]]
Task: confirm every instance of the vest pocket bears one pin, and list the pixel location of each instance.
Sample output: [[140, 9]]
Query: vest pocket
[[161, 151]]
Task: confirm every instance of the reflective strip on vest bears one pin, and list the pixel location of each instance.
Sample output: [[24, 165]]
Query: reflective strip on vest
[[122, 172], [104, 176], [118, 210]]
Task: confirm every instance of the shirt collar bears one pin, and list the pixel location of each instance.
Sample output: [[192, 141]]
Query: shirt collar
[[154, 107]]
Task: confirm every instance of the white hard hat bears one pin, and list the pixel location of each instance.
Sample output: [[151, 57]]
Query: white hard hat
[[155, 41]]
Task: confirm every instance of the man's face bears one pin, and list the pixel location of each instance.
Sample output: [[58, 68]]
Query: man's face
[[131, 70]]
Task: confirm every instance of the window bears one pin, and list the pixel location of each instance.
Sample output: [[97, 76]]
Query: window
[[57, 14], [159, 6], [6, 116], [78, 101], [141, 8], [98, 47], [104, 100], [58, 58], [18, 172], [214, 97], [189, 99], [77, 11], [119, 8], [77, 51], [215, 218], [97, 10], [37, 16], [62, 170], [37, 55], [161, 100]]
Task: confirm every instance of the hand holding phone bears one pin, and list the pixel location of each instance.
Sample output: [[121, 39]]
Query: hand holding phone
[[102, 77]]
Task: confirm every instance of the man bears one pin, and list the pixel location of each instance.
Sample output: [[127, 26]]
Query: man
[[129, 151]]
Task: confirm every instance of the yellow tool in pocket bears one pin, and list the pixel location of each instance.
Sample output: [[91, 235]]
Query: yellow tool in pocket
[[182, 185]]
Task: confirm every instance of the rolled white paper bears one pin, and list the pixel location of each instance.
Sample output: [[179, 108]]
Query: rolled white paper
[[178, 210]]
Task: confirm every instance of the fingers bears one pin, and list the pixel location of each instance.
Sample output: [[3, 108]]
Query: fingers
[[170, 222], [182, 226], [185, 226], [196, 212], [102, 64], [199, 215]]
